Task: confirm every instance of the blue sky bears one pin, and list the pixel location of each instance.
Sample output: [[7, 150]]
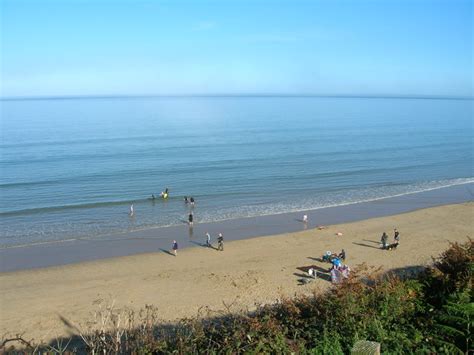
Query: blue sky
[[108, 47]]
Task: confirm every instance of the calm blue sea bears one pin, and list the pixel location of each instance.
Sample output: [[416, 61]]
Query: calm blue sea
[[70, 168]]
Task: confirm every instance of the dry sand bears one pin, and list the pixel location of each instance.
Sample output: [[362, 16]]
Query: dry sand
[[259, 270]]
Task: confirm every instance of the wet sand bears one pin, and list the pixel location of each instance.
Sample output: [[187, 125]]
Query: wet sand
[[87, 249], [257, 270]]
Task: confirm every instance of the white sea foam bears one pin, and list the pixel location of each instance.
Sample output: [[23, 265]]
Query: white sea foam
[[337, 199]]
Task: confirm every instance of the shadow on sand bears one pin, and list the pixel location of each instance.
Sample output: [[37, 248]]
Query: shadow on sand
[[365, 245], [319, 269], [302, 275], [166, 252], [321, 273], [203, 245], [371, 241]]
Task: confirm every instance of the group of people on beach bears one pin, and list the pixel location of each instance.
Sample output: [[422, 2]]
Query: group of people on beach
[[333, 257], [339, 270], [220, 238], [220, 243], [191, 201], [384, 244], [339, 273]]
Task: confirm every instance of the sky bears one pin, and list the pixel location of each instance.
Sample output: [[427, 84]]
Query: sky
[[179, 47]]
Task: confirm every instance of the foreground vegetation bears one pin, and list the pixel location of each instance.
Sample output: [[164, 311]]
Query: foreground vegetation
[[430, 312]]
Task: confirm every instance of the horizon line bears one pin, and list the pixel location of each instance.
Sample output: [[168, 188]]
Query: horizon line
[[236, 95]]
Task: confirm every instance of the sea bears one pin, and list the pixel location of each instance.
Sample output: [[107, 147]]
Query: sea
[[71, 167]]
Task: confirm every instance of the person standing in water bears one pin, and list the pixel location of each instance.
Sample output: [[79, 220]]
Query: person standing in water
[[131, 210], [305, 218], [164, 194], [191, 219], [192, 201], [175, 248], [208, 240], [186, 199]]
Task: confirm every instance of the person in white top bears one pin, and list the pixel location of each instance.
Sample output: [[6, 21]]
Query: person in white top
[[131, 210], [305, 218]]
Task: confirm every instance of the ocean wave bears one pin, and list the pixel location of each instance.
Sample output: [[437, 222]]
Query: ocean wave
[[331, 199], [89, 205], [336, 199], [355, 196]]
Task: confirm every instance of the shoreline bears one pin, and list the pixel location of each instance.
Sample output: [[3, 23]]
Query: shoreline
[[123, 244], [42, 302], [144, 241]]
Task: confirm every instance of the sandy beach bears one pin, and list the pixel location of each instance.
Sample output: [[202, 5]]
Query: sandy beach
[[257, 270]]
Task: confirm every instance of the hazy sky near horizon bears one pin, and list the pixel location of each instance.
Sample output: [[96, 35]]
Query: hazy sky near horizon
[[102, 47]]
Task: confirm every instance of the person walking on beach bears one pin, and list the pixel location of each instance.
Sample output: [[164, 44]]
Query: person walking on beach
[[220, 242], [191, 219], [131, 210], [175, 248], [208, 240]]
